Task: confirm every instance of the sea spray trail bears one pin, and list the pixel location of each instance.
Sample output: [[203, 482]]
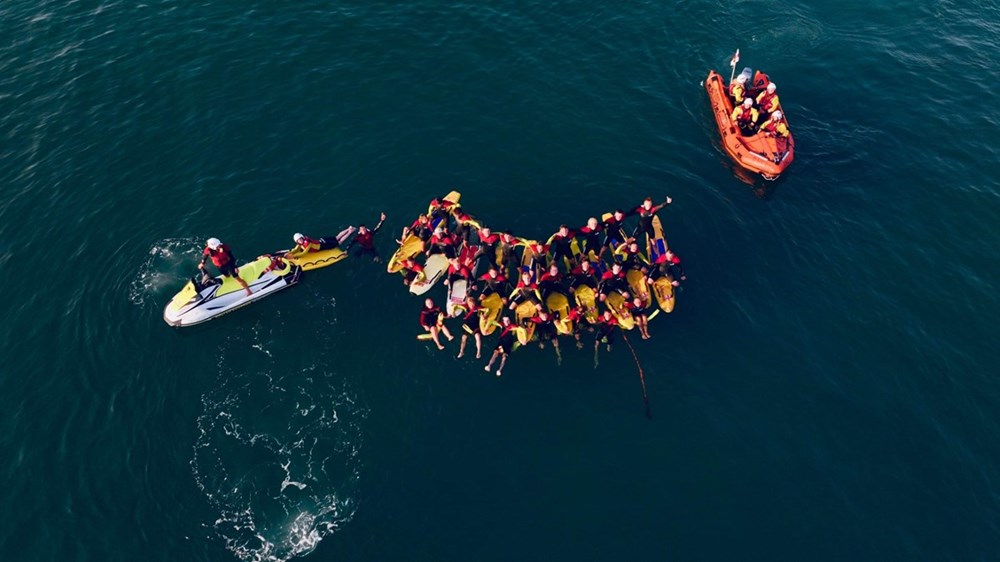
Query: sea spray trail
[[278, 449]]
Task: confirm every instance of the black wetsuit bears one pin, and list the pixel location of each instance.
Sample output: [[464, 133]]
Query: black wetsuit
[[471, 320], [606, 330], [549, 284], [560, 247], [443, 245], [611, 282], [544, 329], [494, 285], [580, 277], [646, 217], [614, 233], [632, 261], [591, 238], [429, 317], [507, 338]]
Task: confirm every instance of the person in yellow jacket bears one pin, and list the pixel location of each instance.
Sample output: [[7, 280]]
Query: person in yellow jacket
[[776, 126], [746, 116], [767, 100], [737, 90]]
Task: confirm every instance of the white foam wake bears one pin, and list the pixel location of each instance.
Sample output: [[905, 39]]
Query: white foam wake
[[278, 452]]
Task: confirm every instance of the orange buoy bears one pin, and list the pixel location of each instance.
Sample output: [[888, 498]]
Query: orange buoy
[[758, 153]]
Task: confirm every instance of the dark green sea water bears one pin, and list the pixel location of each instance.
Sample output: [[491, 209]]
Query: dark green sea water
[[827, 388]]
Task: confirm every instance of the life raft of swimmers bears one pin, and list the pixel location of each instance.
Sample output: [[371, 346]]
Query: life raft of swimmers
[[596, 278]]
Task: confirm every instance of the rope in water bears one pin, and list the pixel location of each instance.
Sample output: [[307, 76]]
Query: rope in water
[[642, 378]]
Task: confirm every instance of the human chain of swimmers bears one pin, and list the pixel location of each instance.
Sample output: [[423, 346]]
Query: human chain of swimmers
[[596, 278]]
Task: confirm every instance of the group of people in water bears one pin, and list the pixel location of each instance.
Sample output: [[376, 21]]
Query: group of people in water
[[503, 273], [592, 279], [757, 112]]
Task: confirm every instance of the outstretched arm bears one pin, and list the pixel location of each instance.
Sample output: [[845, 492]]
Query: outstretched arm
[[379, 225]]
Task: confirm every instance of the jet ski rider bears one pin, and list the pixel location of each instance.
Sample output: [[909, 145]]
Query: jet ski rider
[[223, 260]]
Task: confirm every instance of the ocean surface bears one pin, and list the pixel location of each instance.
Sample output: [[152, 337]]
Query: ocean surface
[[827, 388]]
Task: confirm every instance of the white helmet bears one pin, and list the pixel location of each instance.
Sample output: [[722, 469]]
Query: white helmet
[[747, 102], [777, 115], [742, 78], [214, 243], [771, 87], [297, 236]]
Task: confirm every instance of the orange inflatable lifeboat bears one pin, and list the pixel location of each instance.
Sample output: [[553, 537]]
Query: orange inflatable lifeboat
[[761, 154]]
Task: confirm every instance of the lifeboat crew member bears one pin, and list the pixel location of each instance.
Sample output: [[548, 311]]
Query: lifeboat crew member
[[767, 100], [746, 116], [776, 126], [737, 90], [223, 260], [304, 244]]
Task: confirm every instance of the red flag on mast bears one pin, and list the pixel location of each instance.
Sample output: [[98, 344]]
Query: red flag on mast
[[736, 59]]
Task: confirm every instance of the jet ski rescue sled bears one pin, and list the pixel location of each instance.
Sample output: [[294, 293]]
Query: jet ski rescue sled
[[200, 302], [758, 153]]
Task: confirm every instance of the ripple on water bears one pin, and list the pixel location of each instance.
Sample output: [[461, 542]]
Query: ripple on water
[[168, 261], [278, 450]]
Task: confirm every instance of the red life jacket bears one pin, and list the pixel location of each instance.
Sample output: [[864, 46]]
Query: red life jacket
[[220, 257], [365, 240], [772, 127], [461, 270], [549, 277], [486, 277], [765, 101], [745, 116], [429, 316], [308, 244], [489, 240]]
